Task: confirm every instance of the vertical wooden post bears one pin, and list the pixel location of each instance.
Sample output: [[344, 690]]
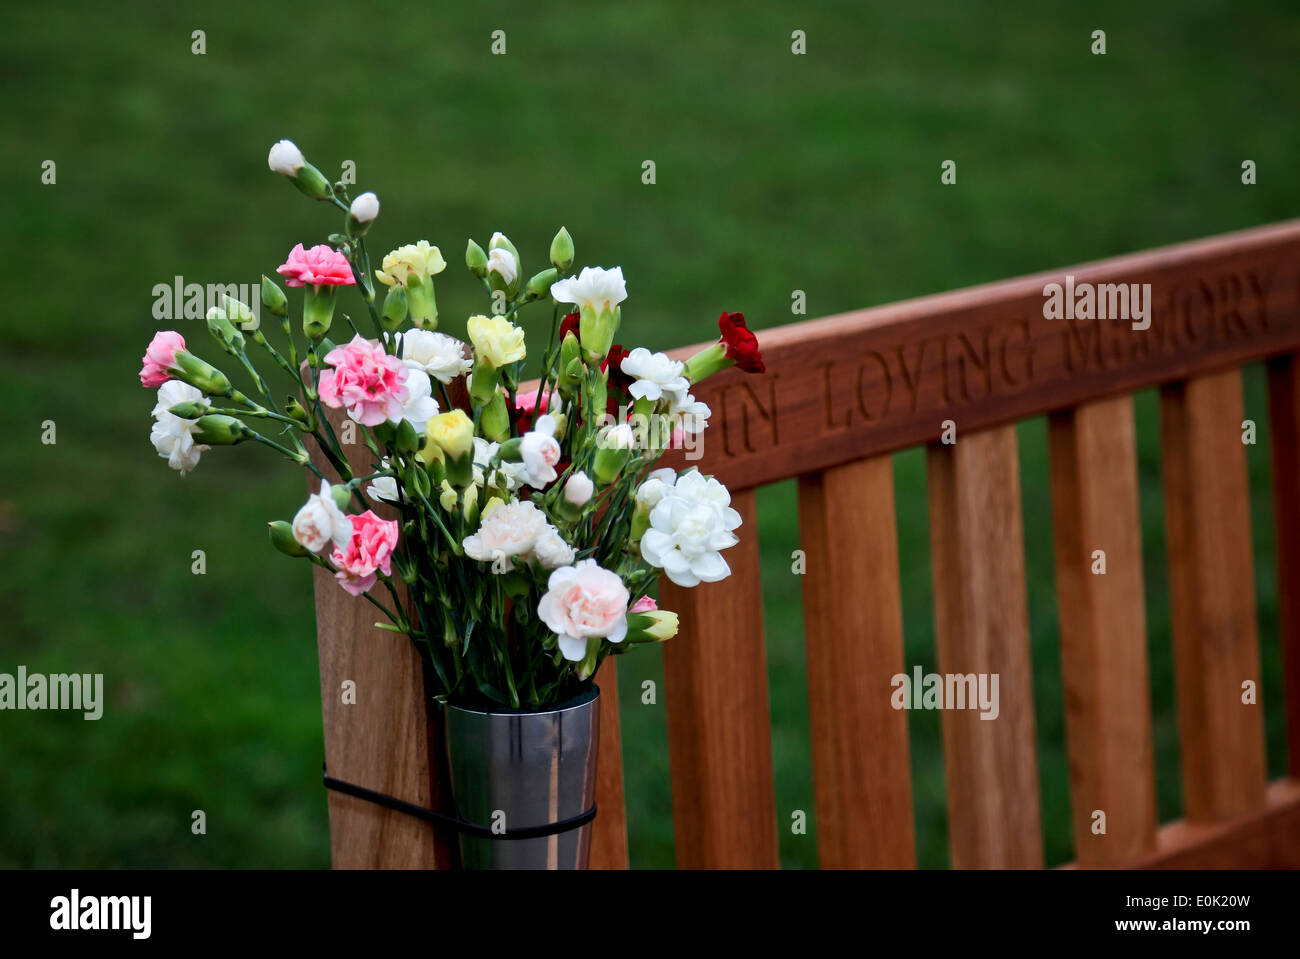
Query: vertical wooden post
[[1212, 593], [1284, 417], [854, 636], [1102, 617], [388, 740], [609, 829], [719, 727], [982, 627]]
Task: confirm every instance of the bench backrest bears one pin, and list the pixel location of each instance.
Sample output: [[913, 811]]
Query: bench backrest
[[840, 396]]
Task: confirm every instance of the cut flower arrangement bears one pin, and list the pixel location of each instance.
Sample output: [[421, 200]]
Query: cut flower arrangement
[[531, 524]]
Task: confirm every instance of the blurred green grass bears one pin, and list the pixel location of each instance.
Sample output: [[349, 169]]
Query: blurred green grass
[[774, 173]]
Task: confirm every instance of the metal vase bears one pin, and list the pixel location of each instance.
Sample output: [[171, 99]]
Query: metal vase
[[536, 769]]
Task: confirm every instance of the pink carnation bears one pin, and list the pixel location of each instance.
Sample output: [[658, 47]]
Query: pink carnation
[[645, 604], [366, 380], [320, 266], [160, 358], [370, 549]]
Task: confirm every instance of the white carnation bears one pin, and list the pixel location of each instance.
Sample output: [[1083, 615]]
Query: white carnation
[[285, 158], [437, 354], [172, 436], [691, 523], [655, 374], [320, 522]]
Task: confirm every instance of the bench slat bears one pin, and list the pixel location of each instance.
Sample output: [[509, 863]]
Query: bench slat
[[1212, 594], [854, 638], [982, 627], [389, 739], [609, 828], [1284, 416], [1103, 630], [719, 726]]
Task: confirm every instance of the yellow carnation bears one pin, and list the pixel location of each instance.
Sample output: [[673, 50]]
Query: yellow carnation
[[419, 259], [496, 340]]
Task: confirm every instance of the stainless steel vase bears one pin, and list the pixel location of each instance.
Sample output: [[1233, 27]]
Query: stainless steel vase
[[522, 770]]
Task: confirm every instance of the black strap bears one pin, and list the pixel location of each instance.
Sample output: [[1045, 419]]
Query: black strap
[[473, 829]]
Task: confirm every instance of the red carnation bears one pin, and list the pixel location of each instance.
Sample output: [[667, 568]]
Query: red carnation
[[741, 343], [569, 325], [614, 365]]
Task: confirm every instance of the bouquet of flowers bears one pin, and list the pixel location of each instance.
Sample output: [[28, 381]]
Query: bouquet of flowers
[[531, 523]]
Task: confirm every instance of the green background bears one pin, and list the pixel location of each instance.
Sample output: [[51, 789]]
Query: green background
[[775, 172]]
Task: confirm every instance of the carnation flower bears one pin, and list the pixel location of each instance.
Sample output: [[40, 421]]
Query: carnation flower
[[420, 406], [686, 413], [645, 604], [595, 288], [552, 551], [654, 374], [160, 358], [740, 343], [172, 436], [583, 602], [320, 266], [540, 451], [691, 523], [383, 489], [441, 356], [513, 474], [513, 529], [320, 521], [368, 551], [418, 259], [496, 340], [653, 488], [366, 381]]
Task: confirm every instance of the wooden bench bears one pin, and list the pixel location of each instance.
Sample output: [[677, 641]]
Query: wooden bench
[[840, 396]]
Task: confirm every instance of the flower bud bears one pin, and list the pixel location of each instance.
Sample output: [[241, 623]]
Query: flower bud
[[341, 495], [223, 331], [476, 259], [406, 440], [570, 364], [540, 284], [294, 410], [579, 489], [362, 213], [286, 159], [217, 429], [282, 539], [239, 312], [395, 307], [614, 449], [562, 250], [273, 297], [654, 626], [200, 374], [190, 409], [503, 270]]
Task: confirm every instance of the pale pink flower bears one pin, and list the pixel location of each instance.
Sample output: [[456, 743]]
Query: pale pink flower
[[320, 266], [366, 380], [540, 451], [160, 358], [369, 551], [584, 601], [645, 604]]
